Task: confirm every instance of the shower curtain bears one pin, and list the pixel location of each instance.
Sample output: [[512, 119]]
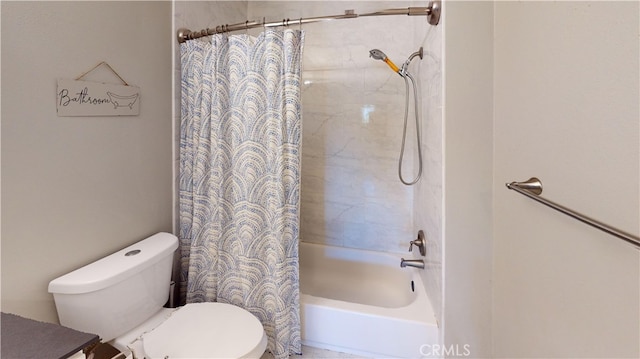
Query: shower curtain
[[240, 137]]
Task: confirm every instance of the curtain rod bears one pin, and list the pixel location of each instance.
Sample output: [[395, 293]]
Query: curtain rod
[[432, 12]]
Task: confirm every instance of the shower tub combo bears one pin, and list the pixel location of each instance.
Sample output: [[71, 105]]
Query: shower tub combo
[[361, 302]]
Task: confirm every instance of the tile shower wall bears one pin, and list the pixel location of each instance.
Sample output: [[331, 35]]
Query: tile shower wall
[[353, 119]]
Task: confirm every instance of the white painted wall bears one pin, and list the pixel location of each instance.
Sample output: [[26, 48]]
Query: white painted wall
[[468, 146], [567, 111], [547, 89], [75, 189]]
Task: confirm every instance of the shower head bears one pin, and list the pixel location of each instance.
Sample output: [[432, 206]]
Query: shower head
[[379, 55]]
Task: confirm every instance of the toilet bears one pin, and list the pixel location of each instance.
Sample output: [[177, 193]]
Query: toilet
[[121, 298]]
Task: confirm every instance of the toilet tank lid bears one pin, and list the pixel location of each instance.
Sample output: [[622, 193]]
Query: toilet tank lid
[[117, 266]]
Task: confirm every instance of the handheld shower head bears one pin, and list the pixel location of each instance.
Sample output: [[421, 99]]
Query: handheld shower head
[[379, 55], [404, 73]]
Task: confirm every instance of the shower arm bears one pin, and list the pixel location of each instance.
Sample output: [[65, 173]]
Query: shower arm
[[403, 71]]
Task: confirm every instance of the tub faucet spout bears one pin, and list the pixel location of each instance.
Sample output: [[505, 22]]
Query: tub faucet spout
[[417, 263]]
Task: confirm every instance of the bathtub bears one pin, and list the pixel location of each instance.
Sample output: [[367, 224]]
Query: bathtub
[[361, 302]]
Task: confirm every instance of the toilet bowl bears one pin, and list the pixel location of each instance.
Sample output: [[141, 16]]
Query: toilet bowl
[[196, 330], [206, 330], [121, 297]]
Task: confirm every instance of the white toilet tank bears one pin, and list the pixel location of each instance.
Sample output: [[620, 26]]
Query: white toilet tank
[[115, 294]]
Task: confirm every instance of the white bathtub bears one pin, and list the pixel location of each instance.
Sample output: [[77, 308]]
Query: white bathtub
[[362, 302]]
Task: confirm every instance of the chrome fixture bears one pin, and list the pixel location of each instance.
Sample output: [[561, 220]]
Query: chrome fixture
[[404, 70], [419, 242], [404, 73], [532, 188], [431, 11], [416, 263], [532, 185]]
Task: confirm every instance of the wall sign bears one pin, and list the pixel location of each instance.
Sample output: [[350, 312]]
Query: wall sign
[[86, 98]]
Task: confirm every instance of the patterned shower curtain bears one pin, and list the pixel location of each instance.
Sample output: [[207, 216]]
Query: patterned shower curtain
[[240, 137]]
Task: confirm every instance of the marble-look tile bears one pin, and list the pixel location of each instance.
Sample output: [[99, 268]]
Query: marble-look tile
[[351, 140]]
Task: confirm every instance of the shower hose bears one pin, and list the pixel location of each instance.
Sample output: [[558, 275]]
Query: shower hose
[[404, 131]]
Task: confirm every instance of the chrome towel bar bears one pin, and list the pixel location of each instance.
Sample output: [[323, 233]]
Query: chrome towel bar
[[532, 188]]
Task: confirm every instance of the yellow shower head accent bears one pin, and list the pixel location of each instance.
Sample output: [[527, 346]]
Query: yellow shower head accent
[[392, 65]]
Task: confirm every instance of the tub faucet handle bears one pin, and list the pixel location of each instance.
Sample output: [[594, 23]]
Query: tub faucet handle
[[419, 242]]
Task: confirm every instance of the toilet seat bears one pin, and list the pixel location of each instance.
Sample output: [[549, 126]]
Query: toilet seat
[[207, 330]]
